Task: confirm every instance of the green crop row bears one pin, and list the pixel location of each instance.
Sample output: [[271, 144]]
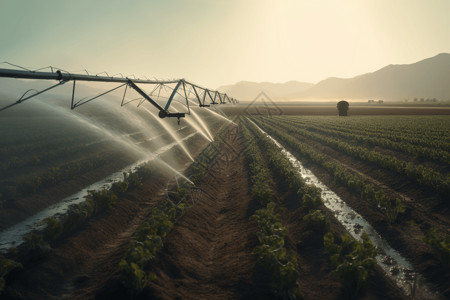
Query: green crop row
[[51, 177], [271, 251], [440, 246], [351, 179], [351, 260], [424, 176], [37, 244], [52, 153], [148, 241], [134, 268], [41, 144], [6, 266], [259, 175], [425, 131], [435, 154]]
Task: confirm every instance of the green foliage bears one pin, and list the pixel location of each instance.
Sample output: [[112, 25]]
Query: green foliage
[[54, 175], [77, 214], [120, 187], [181, 196], [440, 246], [271, 252], [34, 247], [283, 168], [53, 228], [101, 200], [97, 201], [148, 241], [354, 181], [132, 277], [352, 260], [6, 266], [259, 174], [318, 221], [311, 201], [419, 173], [394, 209], [131, 179]]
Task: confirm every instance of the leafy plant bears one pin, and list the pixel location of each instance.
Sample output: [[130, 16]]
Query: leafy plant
[[271, 252], [352, 260], [132, 277], [310, 200], [6, 266], [148, 241], [440, 246], [53, 228], [355, 182], [421, 174], [34, 247], [393, 210], [318, 221]]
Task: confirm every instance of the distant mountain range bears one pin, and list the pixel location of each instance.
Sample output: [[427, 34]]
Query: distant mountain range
[[428, 79], [247, 90]]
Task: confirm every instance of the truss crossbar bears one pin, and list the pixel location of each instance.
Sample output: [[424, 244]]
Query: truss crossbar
[[64, 77]]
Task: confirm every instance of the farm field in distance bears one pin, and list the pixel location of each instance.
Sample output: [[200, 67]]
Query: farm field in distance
[[247, 226]]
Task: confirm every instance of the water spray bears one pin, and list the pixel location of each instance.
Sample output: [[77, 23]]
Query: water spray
[[171, 133]]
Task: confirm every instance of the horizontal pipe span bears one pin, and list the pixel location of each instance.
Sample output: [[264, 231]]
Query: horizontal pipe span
[[58, 75], [63, 76]]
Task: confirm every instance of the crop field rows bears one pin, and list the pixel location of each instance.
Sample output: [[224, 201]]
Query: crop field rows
[[91, 238], [247, 225], [280, 251], [59, 158], [400, 187]]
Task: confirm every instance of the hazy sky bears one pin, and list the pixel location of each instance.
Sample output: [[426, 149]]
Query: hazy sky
[[215, 42]]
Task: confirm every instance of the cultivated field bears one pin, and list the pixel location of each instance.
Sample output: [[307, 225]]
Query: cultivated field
[[244, 225]]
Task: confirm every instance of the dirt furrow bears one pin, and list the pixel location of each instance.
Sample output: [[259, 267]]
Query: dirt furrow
[[208, 255]]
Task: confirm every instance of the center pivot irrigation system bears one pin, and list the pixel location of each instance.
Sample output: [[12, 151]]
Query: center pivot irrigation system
[[183, 88]]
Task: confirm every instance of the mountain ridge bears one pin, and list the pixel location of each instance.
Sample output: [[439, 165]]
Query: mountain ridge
[[428, 78]]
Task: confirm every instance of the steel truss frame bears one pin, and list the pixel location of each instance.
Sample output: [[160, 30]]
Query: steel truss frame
[[63, 77]]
